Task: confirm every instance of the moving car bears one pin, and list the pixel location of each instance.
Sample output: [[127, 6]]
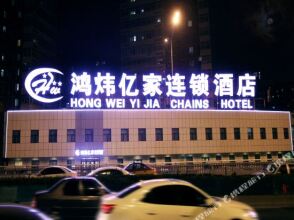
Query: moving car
[[16, 212], [139, 168], [56, 171], [71, 198], [109, 171], [170, 199]]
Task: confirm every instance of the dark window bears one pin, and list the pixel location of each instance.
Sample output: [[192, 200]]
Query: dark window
[[120, 160], [141, 134], [88, 135], [189, 158], [231, 157], [208, 133], [175, 134], [34, 136], [124, 135], [237, 134], [16, 136], [269, 157], [167, 159], [250, 133], [280, 155], [245, 157], [158, 134], [257, 156], [53, 162], [286, 133], [107, 135], [175, 195], [91, 188], [52, 170], [152, 160], [71, 135], [275, 133], [223, 133], [262, 133], [72, 188], [193, 134], [218, 157], [52, 136]]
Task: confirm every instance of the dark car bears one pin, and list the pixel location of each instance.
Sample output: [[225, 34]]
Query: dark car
[[71, 198], [16, 212], [139, 168]]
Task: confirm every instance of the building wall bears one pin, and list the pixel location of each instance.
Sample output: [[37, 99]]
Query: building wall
[[43, 120]]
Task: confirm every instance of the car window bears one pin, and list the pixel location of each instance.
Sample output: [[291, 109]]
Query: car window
[[111, 172], [90, 187], [128, 191], [72, 188], [174, 195], [52, 170]]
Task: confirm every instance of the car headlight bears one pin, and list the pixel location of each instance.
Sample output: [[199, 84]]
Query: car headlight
[[251, 214]]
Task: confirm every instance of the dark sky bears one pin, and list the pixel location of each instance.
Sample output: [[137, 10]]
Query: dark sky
[[247, 35]]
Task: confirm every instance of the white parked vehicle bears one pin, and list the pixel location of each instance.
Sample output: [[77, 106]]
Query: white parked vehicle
[[110, 170], [56, 171], [170, 199]]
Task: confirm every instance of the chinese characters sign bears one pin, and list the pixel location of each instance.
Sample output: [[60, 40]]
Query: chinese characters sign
[[103, 90]]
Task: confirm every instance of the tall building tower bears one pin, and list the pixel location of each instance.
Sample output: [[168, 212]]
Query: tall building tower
[[27, 40], [147, 34]]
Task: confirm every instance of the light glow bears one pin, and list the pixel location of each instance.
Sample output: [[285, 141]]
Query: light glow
[[88, 152]]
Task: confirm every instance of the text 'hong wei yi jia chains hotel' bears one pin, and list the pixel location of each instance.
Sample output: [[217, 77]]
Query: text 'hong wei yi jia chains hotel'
[[174, 118]]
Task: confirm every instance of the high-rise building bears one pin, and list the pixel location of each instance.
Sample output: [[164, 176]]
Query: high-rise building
[[147, 35], [27, 40]]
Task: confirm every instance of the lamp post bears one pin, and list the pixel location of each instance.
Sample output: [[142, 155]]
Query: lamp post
[[175, 21]]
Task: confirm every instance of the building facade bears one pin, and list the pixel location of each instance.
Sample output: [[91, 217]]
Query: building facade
[[75, 137]]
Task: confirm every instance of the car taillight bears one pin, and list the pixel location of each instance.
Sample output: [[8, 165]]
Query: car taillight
[[34, 203], [107, 208]]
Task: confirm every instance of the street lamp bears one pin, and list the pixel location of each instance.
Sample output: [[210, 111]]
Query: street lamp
[[175, 21]]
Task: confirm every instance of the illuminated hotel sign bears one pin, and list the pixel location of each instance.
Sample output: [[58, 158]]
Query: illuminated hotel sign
[[106, 91]]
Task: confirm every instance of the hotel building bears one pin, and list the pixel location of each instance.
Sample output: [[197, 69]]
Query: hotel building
[[75, 137]]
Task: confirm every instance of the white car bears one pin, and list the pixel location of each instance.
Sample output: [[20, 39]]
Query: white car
[[110, 170], [170, 199], [56, 171]]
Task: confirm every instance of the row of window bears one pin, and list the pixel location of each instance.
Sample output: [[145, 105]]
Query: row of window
[[142, 134]]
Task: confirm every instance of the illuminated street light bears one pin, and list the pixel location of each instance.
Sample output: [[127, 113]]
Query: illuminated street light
[[175, 20], [165, 40]]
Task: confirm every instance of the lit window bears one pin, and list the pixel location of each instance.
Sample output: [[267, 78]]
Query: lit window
[[133, 0], [18, 72], [189, 23], [158, 20], [53, 136], [17, 87], [250, 133], [208, 133], [107, 135], [191, 50], [2, 57], [18, 43], [124, 134], [16, 136], [175, 134], [142, 10], [4, 28], [262, 133], [34, 136], [89, 135], [133, 12], [2, 73], [142, 134], [135, 38], [16, 102]]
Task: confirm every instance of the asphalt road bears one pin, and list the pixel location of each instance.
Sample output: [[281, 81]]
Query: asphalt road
[[276, 214]]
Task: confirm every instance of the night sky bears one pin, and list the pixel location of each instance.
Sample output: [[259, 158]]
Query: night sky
[[254, 36]]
